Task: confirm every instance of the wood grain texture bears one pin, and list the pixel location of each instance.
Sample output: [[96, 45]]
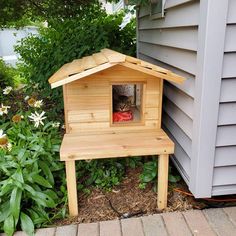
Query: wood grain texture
[[102, 61], [162, 186], [71, 187], [82, 147], [171, 56], [187, 87], [88, 102]]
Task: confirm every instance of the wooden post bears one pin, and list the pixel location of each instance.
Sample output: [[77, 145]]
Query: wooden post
[[71, 188], [162, 188]]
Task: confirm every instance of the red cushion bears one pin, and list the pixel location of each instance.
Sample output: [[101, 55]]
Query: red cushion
[[122, 116]]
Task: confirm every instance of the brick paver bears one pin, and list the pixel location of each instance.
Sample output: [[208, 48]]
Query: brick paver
[[154, 225], [220, 222], [90, 229], [176, 225], [231, 212], [198, 223], [132, 227], [70, 230], [45, 231], [209, 222], [108, 228], [20, 233]]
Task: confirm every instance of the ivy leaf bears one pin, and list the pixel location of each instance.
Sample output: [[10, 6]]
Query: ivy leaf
[[27, 224]]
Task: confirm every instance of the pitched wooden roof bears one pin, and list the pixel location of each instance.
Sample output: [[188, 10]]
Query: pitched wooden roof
[[105, 59]]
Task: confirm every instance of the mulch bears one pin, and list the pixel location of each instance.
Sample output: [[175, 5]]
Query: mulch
[[128, 200]]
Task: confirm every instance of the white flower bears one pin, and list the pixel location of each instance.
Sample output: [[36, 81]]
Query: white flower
[[55, 124], [37, 118], [63, 127], [7, 90], [26, 98], [2, 135], [9, 146], [38, 103], [3, 109]]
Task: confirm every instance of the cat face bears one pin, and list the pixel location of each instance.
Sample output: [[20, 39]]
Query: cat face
[[123, 103]]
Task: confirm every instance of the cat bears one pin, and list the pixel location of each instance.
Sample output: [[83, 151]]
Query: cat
[[121, 103]]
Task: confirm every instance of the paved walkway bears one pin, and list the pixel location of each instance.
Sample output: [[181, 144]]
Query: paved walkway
[[220, 222]]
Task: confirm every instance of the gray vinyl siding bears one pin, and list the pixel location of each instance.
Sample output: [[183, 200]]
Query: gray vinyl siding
[[204, 51], [171, 42], [118, 6], [224, 178]]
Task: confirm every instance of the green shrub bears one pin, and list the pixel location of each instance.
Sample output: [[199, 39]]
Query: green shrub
[[6, 74], [64, 41], [149, 173], [32, 180]]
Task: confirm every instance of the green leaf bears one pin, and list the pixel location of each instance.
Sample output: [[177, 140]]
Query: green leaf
[[4, 211], [56, 148], [27, 224], [21, 136], [9, 225], [147, 177], [40, 180], [15, 202], [6, 187], [173, 179], [45, 168], [21, 153], [44, 200]]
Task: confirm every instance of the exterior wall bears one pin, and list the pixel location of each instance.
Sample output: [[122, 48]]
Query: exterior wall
[[88, 101], [197, 40], [8, 39], [224, 181], [171, 42], [118, 6]]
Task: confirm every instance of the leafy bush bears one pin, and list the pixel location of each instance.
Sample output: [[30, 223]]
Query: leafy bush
[[32, 182], [6, 74], [103, 174], [149, 173], [66, 40]]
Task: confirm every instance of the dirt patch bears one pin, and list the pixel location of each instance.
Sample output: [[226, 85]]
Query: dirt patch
[[128, 200]]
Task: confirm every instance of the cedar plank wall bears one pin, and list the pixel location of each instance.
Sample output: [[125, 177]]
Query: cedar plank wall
[[172, 43], [224, 178], [88, 100]]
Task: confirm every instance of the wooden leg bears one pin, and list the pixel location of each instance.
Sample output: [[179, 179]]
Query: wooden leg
[[162, 188], [71, 188]]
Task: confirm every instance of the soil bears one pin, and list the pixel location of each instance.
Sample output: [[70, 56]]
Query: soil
[[128, 200]]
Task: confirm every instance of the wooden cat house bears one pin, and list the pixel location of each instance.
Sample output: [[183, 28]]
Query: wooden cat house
[[91, 130]]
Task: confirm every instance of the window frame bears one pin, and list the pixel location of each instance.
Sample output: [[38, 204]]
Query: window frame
[[141, 122], [159, 14]]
